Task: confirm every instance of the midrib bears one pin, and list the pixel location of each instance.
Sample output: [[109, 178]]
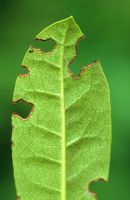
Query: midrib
[[63, 154], [63, 186]]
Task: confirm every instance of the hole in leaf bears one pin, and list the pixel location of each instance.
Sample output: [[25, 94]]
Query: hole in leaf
[[76, 64], [45, 46], [24, 71], [98, 188], [23, 108], [82, 58]]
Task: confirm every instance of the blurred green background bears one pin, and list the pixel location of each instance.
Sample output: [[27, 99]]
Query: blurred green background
[[107, 27]]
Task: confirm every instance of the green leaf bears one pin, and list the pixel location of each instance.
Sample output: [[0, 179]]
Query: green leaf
[[64, 144]]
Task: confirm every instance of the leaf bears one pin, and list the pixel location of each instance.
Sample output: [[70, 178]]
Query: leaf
[[64, 144]]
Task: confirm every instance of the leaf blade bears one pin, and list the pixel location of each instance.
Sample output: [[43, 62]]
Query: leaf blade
[[44, 153]]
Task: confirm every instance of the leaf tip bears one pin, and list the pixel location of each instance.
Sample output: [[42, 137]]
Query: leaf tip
[[59, 28]]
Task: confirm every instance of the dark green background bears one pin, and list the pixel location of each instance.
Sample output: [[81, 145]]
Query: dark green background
[[107, 27]]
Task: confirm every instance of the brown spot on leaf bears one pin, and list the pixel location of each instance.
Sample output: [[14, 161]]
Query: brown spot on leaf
[[18, 197]]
